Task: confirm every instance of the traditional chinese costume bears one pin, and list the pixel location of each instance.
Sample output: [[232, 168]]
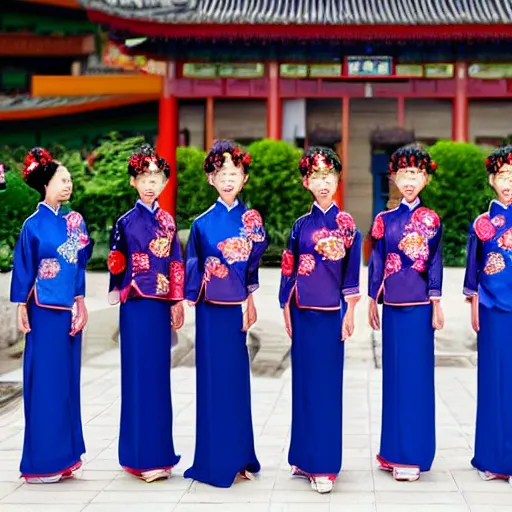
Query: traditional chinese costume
[[489, 274], [48, 275], [147, 276], [319, 269], [405, 272], [223, 256]]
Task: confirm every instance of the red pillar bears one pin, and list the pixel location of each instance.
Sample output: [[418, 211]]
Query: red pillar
[[274, 106], [168, 124], [460, 104], [209, 123], [401, 111]]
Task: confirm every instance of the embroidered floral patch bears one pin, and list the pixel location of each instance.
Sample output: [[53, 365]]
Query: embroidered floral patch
[[116, 262], [425, 221], [74, 220], [160, 247], [419, 265], [378, 227], [140, 262], [287, 263], [414, 246], [162, 284], [235, 249], [393, 264], [320, 234], [77, 238], [494, 264], [166, 222], [346, 228], [307, 264], [484, 228], [48, 268], [253, 226], [177, 279], [331, 248], [214, 267], [498, 221], [505, 240]]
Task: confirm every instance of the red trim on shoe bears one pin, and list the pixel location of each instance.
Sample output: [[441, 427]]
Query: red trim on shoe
[[331, 477], [138, 472], [386, 465], [65, 473]]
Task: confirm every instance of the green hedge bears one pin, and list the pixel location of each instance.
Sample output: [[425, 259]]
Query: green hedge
[[102, 193]]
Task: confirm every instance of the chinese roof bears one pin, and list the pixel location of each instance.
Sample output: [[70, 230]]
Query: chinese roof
[[332, 12]]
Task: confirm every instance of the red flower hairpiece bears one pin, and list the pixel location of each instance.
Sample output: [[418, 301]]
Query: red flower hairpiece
[[35, 158], [140, 163]]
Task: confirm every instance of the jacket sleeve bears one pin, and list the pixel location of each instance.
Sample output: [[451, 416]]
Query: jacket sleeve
[[289, 267], [24, 270], [435, 269], [193, 265], [176, 271], [253, 264], [377, 258], [473, 256], [352, 267], [84, 254], [117, 262]]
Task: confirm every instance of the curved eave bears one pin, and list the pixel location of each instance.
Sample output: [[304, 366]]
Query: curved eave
[[390, 32], [25, 112]]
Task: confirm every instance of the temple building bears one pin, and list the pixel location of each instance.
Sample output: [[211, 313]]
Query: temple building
[[308, 71]]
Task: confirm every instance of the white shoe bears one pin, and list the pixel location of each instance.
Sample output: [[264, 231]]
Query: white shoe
[[321, 484], [487, 475], [155, 474], [406, 473], [43, 479]]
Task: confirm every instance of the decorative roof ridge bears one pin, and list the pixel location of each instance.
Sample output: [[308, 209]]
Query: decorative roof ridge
[[310, 12]]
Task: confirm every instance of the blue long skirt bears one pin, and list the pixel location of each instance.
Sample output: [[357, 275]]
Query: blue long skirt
[[408, 395], [493, 439], [224, 431], [317, 358], [145, 438], [53, 439]]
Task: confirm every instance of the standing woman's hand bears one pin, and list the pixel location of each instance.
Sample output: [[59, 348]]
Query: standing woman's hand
[[81, 317], [177, 316], [23, 322]]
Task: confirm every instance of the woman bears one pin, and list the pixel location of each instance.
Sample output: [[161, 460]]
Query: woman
[[319, 292], [146, 276], [488, 287], [406, 273], [223, 255], [48, 283]]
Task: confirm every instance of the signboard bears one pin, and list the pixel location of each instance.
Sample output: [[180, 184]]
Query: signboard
[[439, 70], [199, 70], [251, 70], [225, 70], [325, 70], [369, 66], [486, 71], [409, 70], [293, 70]]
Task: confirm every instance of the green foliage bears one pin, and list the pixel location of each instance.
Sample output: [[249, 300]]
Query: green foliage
[[102, 191], [275, 190], [458, 193], [17, 202], [195, 195]]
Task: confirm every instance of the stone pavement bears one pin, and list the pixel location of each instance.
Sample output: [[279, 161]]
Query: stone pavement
[[451, 486]]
